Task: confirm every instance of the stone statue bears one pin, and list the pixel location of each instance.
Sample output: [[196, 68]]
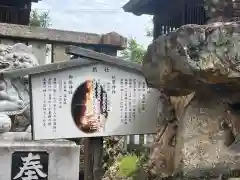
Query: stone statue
[[14, 94], [15, 117]]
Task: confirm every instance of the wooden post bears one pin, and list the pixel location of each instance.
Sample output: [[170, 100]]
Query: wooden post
[[93, 158], [93, 147], [97, 146], [88, 161]]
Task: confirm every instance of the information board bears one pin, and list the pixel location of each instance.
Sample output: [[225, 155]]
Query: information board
[[90, 101]]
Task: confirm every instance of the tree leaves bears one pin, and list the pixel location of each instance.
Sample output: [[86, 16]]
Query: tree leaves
[[134, 52], [39, 19]]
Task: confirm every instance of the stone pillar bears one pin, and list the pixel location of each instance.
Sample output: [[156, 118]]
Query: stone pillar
[[43, 159]]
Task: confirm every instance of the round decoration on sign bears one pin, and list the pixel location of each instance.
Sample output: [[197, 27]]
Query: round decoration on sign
[[89, 107]]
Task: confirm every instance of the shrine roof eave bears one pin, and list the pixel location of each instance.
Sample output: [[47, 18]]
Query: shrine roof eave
[[85, 57], [35, 1], [139, 7]]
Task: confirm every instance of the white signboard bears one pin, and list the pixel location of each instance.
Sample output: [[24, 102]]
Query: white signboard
[[92, 101]]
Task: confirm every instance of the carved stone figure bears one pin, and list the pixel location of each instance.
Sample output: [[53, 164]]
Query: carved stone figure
[[14, 97]]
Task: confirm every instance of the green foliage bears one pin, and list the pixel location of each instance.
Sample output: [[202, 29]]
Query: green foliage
[[141, 170], [149, 32], [127, 166], [134, 52], [130, 167], [113, 149], [40, 19]]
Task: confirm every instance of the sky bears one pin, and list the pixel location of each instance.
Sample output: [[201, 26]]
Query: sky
[[96, 16]]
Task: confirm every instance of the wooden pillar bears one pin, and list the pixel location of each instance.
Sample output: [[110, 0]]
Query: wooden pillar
[[88, 161], [93, 147], [157, 30]]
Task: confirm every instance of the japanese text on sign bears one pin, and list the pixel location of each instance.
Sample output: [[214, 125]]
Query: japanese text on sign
[[119, 100]]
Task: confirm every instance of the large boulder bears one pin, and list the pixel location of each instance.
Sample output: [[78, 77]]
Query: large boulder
[[205, 143], [198, 69], [194, 57]]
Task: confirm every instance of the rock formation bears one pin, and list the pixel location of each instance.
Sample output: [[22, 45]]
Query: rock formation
[[198, 68], [14, 97]]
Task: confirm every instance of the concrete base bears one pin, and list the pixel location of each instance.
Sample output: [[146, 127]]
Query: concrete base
[[61, 162]]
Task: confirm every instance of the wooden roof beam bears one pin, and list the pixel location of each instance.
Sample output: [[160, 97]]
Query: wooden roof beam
[[139, 7]]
